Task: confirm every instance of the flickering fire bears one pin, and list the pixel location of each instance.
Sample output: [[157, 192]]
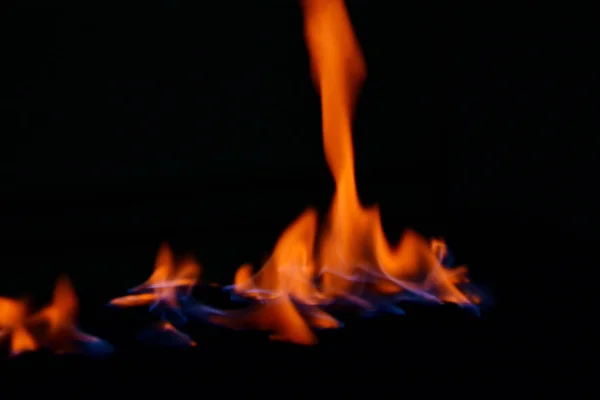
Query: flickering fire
[[53, 327], [287, 278], [168, 280], [350, 259], [168, 286], [347, 260], [354, 254]]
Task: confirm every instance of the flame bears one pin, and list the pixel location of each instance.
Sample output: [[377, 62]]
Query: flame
[[61, 313], [165, 284], [13, 314], [354, 260], [166, 333], [285, 280], [289, 270], [348, 261], [52, 327], [22, 341], [354, 253]]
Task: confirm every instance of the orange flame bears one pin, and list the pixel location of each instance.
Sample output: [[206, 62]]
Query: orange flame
[[286, 278], [165, 283], [53, 327], [352, 259], [354, 244], [13, 314], [290, 269], [168, 281], [355, 262]]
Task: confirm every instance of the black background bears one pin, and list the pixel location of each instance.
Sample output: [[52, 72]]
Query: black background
[[201, 126]]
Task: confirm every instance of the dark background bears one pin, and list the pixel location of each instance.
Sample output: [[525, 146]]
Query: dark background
[[201, 126]]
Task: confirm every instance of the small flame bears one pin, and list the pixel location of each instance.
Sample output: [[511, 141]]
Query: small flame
[[13, 314], [166, 333], [165, 284], [22, 341], [52, 327], [61, 313], [290, 269], [354, 254], [285, 279]]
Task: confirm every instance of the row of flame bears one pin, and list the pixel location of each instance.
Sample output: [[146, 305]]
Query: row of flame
[[286, 299], [352, 260]]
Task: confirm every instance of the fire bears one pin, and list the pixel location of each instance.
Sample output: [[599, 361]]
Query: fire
[[165, 284], [52, 327], [290, 269], [13, 314], [287, 277], [352, 260], [348, 260], [169, 284], [354, 244]]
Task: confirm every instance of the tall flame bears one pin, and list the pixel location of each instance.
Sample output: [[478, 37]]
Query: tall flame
[[354, 244], [354, 260], [350, 261]]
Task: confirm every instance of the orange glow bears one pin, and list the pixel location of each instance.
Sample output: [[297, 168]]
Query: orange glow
[[13, 314], [290, 269]]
